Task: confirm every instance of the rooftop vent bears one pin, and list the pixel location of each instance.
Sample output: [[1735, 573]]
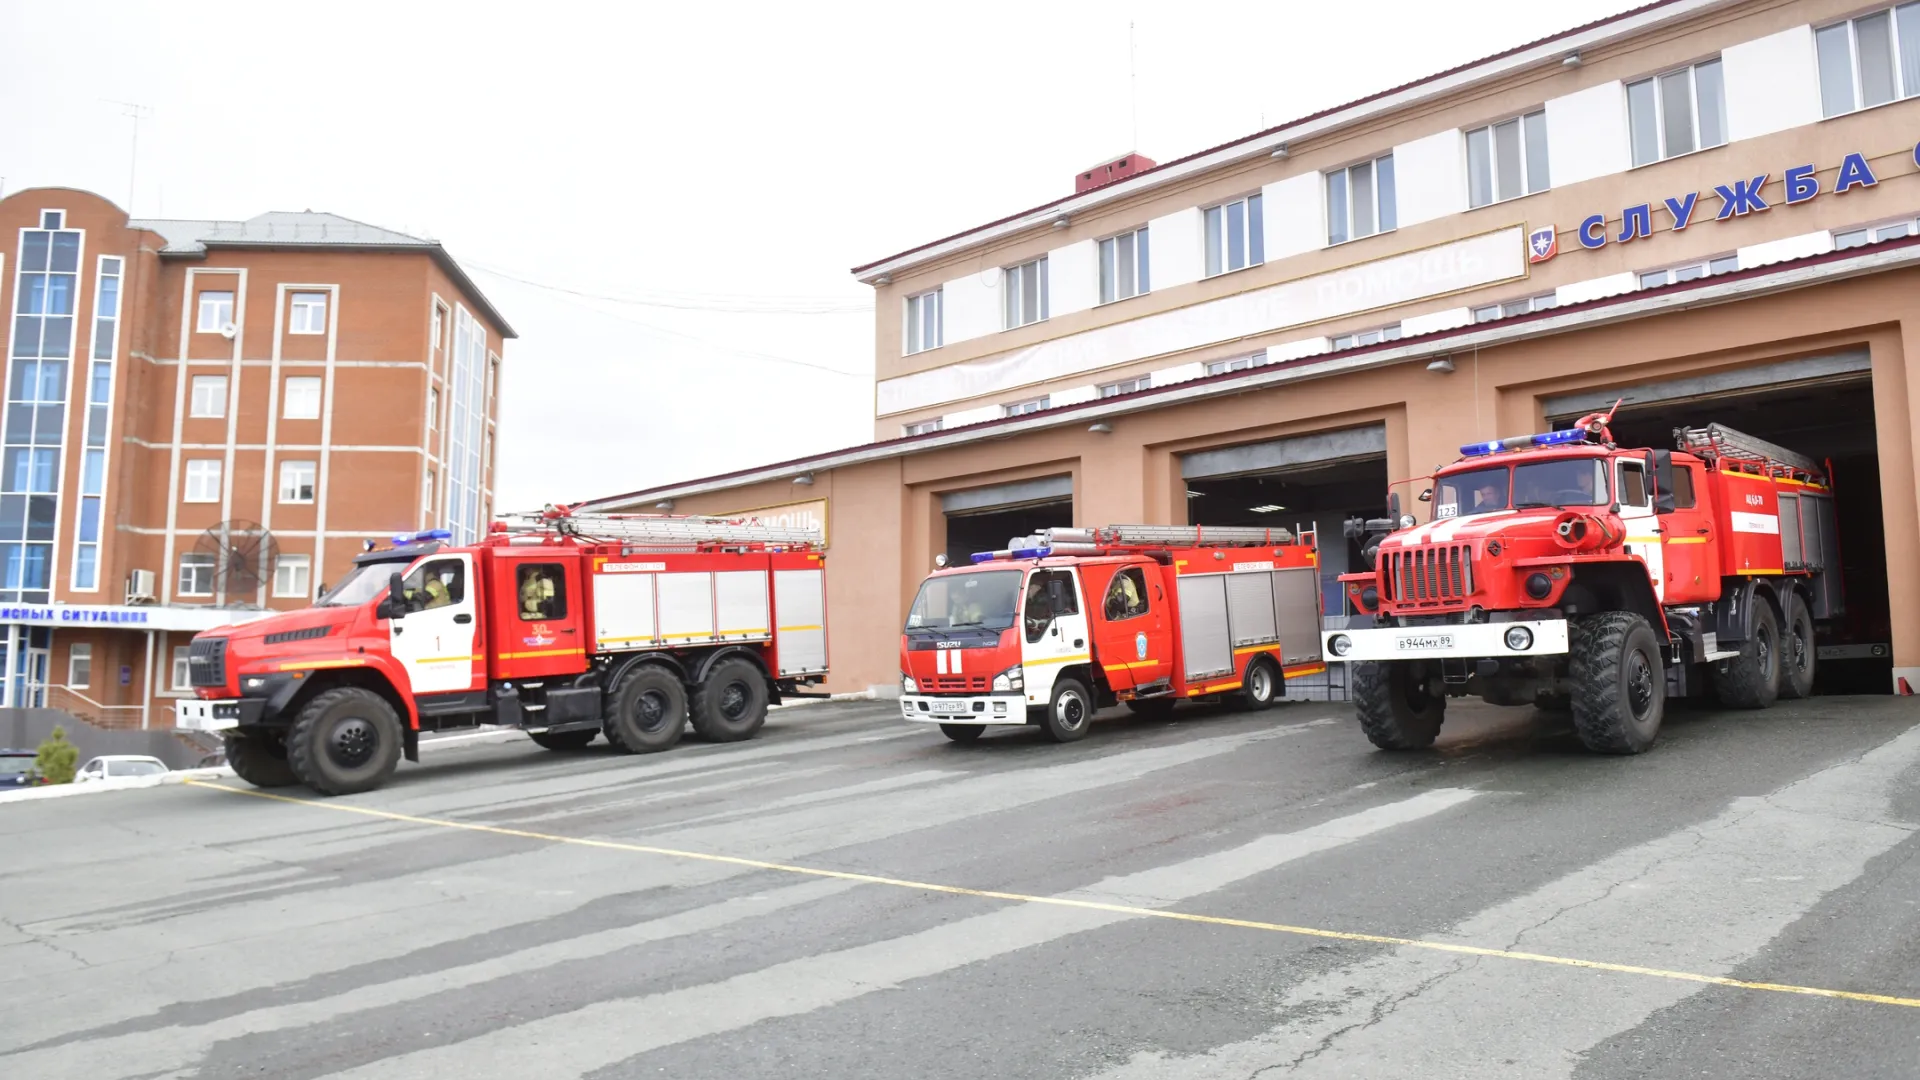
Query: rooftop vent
[[1109, 171]]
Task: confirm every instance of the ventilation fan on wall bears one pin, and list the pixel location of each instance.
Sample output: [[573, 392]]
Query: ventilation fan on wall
[[244, 555]]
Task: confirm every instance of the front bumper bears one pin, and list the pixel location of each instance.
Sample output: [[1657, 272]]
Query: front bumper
[[964, 709], [1469, 641], [201, 715]]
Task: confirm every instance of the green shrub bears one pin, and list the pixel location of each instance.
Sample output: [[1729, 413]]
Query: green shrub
[[57, 759]]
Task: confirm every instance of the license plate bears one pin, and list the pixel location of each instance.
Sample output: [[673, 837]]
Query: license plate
[[1425, 642], [951, 708]]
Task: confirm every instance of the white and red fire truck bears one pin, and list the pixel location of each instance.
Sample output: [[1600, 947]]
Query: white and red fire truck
[[563, 624], [1564, 571], [1060, 624]]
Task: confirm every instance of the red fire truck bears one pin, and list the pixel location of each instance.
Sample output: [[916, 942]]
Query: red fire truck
[[565, 625], [1060, 624], [1567, 572]]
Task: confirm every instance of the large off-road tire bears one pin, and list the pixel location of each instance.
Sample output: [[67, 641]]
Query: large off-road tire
[[1619, 680], [563, 740], [1153, 708], [1396, 712], [259, 758], [1069, 713], [963, 733], [648, 711], [1798, 650], [730, 704], [1752, 679], [345, 741], [1262, 685]]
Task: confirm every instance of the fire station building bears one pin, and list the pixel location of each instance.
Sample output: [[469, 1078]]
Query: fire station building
[[1705, 208], [205, 420]]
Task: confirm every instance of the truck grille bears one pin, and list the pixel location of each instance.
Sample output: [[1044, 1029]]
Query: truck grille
[[207, 662], [947, 684], [1432, 575]]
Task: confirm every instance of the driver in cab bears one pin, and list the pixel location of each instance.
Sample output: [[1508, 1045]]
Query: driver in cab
[[1490, 495]]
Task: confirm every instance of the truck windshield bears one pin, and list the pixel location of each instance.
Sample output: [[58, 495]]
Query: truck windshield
[[361, 584], [989, 600], [1560, 482]]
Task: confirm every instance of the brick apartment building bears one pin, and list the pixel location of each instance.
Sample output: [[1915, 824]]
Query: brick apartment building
[[207, 419]]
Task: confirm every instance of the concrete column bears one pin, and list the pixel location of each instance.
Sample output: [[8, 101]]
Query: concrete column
[[1110, 484], [1896, 402]]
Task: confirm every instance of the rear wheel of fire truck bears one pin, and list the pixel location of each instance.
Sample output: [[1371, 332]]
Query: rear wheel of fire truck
[[1797, 650], [259, 758], [1620, 683], [344, 741], [731, 704], [563, 740], [648, 711], [1752, 679], [963, 732], [1395, 709], [1069, 713], [1261, 686]]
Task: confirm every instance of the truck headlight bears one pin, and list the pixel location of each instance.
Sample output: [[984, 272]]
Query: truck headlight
[[1519, 638], [1011, 679], [907, 685], [253, 683], [1341, 644]]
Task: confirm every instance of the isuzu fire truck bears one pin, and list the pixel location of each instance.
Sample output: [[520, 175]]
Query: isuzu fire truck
[[1063, 623], [565, 625], [1567, 572]]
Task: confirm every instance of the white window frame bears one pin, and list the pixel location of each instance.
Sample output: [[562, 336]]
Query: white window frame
[[1025, 408], [208, 320], [1344, 177], [1692, 270], [1013, 307], [298, 568], [922, 427], [433, 408], [211, 405], [439, 327], [193, 559], [1529, 183], [302, 318], [1372, 336], [1125, 386], [924, 327], [1216, 237], [182, 669], [426, 492], [1507, 309], [1237, 363], [1115, 286], [79, 665], [305, 382], [1862, 235], [202, 481], [290, 481], [1660, 110], [1857, 80]]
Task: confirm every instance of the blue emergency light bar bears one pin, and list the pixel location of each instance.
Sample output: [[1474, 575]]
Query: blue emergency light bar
[[1522, 442], [1014, 553], [422, 536]]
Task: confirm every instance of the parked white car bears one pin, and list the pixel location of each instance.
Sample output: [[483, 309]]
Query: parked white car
[[116, 766]]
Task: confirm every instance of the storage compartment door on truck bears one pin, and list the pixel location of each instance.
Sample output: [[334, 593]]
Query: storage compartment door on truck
[[1633, 492], [1053, 628], [1131, 642], [537, 614], [436, 639]]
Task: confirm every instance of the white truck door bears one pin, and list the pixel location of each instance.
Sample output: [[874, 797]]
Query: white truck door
[[1635, 496], [1053, 626], [433, 641]]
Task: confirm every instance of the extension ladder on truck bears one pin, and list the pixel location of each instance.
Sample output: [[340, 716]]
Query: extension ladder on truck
[[657, 530]]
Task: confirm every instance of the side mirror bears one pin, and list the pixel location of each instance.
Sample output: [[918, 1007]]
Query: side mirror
[[1426, 495], [396, 601], [1662, 472], [1393, 505], [1056, 596]]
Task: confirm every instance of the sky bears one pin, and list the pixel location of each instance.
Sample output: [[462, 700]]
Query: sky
[[665, 199]]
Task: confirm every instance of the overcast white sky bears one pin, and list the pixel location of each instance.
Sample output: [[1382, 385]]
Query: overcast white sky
[[716, 161]]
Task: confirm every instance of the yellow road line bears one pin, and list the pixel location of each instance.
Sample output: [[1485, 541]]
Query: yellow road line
[[1085, 905]]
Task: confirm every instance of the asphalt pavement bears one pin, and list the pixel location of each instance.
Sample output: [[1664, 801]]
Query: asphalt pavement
[[1223, 895]]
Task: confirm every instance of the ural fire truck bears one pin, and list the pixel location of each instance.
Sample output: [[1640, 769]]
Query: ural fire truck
[[565, 625], [1063, 623], [1567, 572]]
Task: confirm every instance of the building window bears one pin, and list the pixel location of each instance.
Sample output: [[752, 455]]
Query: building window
[[296, 481], [924, 427], [1515, 307], [1123, 266], [923, 322], [209, 397], [53, 219], [1677, 113], [182, 669], [1368, 337], [45, 331], [302, 400], [79, 665], [203, 481], [1852, 238], [1870, 60], [433, 407], [196, 574], [439, 327], [292, 574], [1236, 236], [1022, 408], [1653, 279], [1238, 363], [1026, 287], [216, 311], [309, 313], [1125, 386], [426, 493], [1508, 159], [1361, 201], [468, 385], [486, 459], [93, 462]]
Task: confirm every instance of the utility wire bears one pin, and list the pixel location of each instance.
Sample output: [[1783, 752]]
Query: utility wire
[[695, 302]]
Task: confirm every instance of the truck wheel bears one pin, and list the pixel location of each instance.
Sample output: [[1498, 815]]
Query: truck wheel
[[648, 712], [1070, 711], [1620, 682], [1395, 709], [1261, 686], [563, 740], [731, 703], [259, 758], [1153, 708], [963, 732], [1798, 650], [1752, 679], [344, 741]]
